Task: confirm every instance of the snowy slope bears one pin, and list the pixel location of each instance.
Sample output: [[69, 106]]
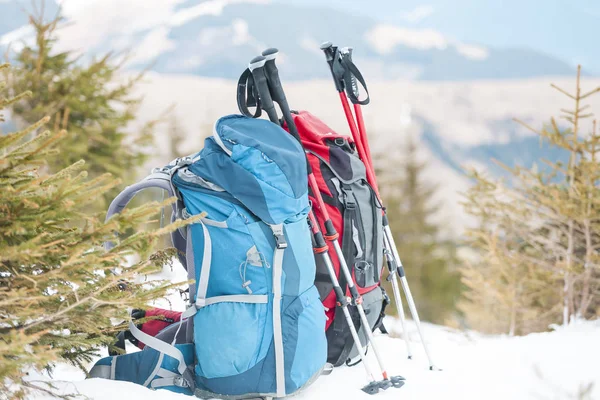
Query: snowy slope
[[551, 365]]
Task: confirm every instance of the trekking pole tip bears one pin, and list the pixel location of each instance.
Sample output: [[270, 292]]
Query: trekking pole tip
[[372, 388], [270, 53], [257, 62]]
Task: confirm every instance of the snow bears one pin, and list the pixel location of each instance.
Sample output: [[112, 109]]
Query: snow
[[549, 365]]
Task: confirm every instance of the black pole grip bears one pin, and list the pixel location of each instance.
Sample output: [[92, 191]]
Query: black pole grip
[[391, 264], [276, 89], [332, 57], [385, 219], [354, 293], [340, 296], [329, 228], [401, 272], [278, 95], [257, 68], [319, 240]]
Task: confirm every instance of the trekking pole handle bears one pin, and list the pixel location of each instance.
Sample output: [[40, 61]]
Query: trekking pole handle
[[257, 62], [329, 49], [276, 89], [257, 68], [278, 95], [331, 53], [270, 53]]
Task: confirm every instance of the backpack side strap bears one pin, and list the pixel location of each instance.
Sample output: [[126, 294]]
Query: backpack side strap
[[185, 377], [159, 345], [280, 246]]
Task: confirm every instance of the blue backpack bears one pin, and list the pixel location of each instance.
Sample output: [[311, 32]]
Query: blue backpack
[[255, 326]]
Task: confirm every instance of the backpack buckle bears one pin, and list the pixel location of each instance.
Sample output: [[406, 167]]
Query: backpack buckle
[[180, 382], [349, 200], [280, 241], [339, 141], [181, 161], [187, 160], [164, 170], [279, 236]]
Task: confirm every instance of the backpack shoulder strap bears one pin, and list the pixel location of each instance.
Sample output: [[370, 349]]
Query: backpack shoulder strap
[[160, 179]]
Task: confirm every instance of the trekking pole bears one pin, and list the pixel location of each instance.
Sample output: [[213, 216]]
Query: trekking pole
[[278, 95], [392, 261], [338, 73], [346, 53], [257, 68], [343, 70]]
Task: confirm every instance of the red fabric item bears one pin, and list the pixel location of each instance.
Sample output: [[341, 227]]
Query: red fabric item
[[156, 325], [313, 134]]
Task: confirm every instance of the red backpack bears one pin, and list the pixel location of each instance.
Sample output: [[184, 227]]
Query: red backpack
[[357, 217]]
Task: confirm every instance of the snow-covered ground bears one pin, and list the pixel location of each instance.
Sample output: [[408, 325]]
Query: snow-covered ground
[[549, 366], [554, 365]]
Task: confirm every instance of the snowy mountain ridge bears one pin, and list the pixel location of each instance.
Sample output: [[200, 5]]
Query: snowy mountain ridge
[[214, 37]]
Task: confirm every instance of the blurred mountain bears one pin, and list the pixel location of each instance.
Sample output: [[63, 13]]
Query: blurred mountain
[[216, 38], [458, 99], [556, 27], [458, 125]]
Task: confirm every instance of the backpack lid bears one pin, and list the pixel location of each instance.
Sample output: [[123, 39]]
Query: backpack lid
[[259, 164]]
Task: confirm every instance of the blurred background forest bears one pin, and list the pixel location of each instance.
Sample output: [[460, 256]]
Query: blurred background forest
[[496, 220]]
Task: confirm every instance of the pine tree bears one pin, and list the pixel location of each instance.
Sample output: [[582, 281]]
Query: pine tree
[[59, 289], [503, 288], [429, 259], [539, 233], [93, 102]]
